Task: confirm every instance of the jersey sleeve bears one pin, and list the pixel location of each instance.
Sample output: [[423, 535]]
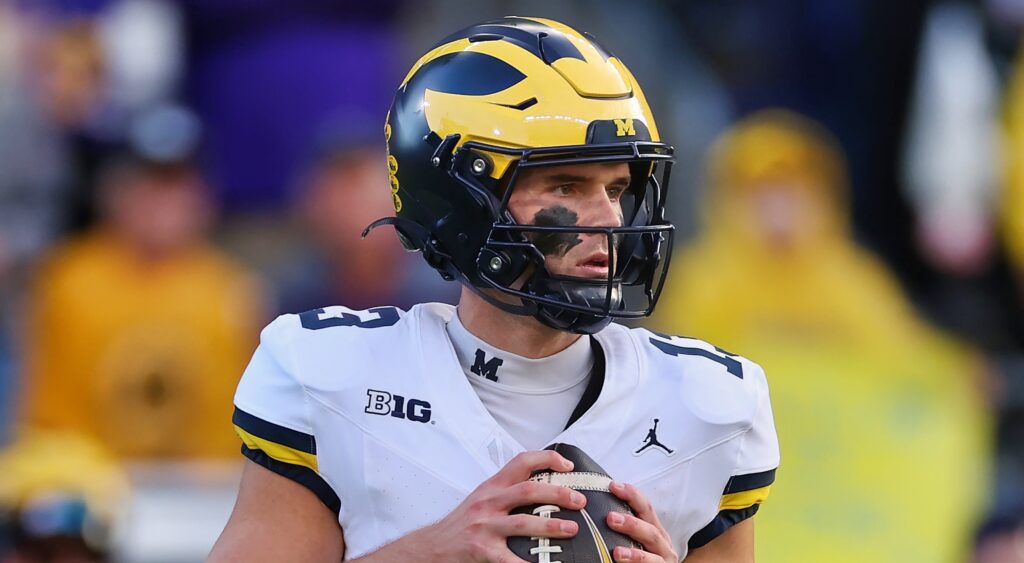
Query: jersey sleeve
[[754, 473], [272, 414]]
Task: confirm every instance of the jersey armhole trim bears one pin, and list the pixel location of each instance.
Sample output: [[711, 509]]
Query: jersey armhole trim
[[737, 501], [281, 443], [723, 521], [743, 491], [741, 498], [298, 473], [267, 430], [749, 481]]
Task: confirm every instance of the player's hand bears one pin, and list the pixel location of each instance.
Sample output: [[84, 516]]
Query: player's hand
[[644, 528], [478, 529]]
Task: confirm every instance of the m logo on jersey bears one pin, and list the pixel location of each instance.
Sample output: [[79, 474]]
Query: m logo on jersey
[[487, 369], [651, 441], [383, 403]]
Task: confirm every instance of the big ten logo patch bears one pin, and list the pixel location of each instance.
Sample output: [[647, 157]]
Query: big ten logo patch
[[392, 170], [383, 403]]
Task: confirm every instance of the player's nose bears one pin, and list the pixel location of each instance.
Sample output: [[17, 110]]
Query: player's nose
[[603, 211]]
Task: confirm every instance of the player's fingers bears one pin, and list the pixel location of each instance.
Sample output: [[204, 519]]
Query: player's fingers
[[525, 493], [633, 555], [524, 464], [636, 500], [531, 526], [644, 533], [650, 536]]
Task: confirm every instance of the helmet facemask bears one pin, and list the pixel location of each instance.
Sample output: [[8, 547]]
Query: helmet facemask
[[514, 258]]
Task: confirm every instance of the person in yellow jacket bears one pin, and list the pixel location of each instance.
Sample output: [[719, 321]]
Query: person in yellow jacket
[[879, 418], [138, 329]]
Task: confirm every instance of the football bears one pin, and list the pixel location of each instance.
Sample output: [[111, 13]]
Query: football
[[595, 541]]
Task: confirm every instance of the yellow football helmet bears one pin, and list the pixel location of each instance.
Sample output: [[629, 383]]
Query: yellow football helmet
[[501, 96]]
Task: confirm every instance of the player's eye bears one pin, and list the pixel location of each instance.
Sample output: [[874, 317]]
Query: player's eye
[[562, 189], [615, 192]]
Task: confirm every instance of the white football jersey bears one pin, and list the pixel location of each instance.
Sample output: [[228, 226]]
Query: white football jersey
[[372, 412]]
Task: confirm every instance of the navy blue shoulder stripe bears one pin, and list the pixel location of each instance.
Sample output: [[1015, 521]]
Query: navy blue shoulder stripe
[[749, 482], [723, 521], [300, 474], [275, 433]]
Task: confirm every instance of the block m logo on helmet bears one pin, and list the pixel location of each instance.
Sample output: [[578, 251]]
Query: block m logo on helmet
[[624, 127]]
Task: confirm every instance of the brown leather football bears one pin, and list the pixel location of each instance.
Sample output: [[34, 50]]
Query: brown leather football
[[595, 541]]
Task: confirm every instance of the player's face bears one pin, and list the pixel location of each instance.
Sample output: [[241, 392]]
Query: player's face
[[586, 195]]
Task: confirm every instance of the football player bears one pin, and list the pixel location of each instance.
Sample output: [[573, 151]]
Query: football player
[[525, 164]]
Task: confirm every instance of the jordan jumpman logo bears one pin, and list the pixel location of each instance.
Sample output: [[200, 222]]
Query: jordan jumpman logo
[[652, 440]]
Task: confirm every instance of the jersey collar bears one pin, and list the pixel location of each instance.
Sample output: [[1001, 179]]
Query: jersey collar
[[594, 431], [488, 365]]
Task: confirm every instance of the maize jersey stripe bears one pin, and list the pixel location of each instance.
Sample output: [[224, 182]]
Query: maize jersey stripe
[[273, 432]]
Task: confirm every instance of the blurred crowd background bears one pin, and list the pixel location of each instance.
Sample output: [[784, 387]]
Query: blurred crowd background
[[849, 193]]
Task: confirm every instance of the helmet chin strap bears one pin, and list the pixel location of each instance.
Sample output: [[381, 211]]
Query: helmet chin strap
[[575, 292], [528, 309]]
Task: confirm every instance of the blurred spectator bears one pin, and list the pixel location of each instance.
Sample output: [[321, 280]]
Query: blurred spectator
[[34, 173], [34, 160], [952, 168], [66, 70], [884, 436], [60, 499], [951, 162], [344, 190], [77, 71], [849, 65], [139, 329]]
